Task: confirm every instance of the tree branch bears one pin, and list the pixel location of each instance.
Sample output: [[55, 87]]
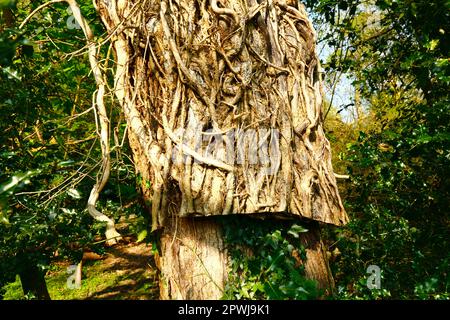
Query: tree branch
[[99, 106], [111, 234], [42, 6]]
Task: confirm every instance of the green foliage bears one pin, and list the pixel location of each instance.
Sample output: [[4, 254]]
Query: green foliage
[[37, 99], [50, 153], [398, 197], [10, 41], [7, 4], [397, 55], [98, 282], [266, 261]]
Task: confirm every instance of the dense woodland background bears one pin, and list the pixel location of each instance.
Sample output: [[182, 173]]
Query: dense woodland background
[[387, 115]]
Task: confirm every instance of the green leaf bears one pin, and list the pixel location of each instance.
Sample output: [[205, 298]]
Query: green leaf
[[74, 193], [7, 4], [295, 230], [141, 236], [16, 180]]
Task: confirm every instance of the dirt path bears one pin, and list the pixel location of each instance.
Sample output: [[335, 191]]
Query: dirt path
[[136, 276]]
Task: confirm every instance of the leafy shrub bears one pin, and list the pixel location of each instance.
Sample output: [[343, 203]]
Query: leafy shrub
[[266, 260]]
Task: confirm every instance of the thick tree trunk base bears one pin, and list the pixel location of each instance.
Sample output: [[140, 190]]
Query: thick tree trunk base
[[33, 282], [316, 265], [194, 260]]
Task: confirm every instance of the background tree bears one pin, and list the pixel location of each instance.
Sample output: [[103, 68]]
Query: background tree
[[396, 151], [49, 157], [209, 69], [398, 196]]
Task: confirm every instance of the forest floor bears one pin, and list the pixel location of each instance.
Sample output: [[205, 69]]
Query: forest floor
[[125, 272]]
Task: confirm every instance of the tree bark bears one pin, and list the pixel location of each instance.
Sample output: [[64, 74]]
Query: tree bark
[[33, 281], [223, 102], [316, 264], [194, 261]]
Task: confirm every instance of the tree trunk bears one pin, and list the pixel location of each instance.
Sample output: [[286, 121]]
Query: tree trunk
[[223, 102], [316, 264], [194, 260], [33, 281]]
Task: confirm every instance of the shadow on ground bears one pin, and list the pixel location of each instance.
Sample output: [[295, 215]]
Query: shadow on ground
[[136, 276]]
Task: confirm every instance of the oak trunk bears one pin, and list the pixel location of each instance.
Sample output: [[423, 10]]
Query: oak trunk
[[194, 263], [223, 102]]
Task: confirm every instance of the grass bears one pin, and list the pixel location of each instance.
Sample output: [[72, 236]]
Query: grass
[[95, 279], [100, 280], [13, 290]]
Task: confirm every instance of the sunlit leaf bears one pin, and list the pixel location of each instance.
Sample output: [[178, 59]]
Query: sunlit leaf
[[74, 193], [141, 236]]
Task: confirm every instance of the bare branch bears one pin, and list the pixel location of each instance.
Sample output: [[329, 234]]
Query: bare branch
[[42, 6], [111, 234], [99, 107]]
